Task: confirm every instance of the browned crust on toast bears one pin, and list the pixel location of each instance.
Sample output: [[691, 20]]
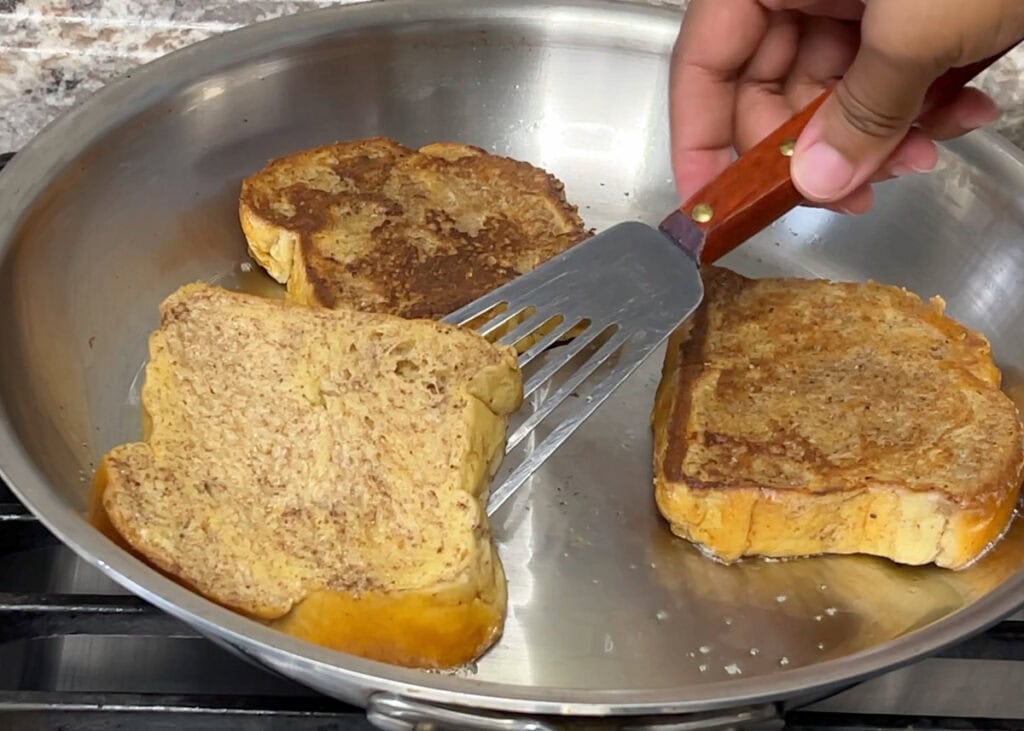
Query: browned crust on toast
[[373, 225], [798, 417]]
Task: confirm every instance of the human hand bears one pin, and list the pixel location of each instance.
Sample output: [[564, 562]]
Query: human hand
[[741, 68]]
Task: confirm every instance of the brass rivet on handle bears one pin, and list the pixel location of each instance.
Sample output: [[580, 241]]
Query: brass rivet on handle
[[702, 213], [787, 147]]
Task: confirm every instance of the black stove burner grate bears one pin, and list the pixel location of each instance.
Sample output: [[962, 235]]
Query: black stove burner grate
[[78, 653], [75, 657]]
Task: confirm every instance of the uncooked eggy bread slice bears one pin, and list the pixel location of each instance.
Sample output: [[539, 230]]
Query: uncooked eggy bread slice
[[375, 226], [801, 417], [322, 470]]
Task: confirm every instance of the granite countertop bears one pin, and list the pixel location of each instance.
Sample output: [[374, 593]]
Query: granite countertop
[[53, 53]]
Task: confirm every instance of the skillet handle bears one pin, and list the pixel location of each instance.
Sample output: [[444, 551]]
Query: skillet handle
[[393, 713], [756, 189]]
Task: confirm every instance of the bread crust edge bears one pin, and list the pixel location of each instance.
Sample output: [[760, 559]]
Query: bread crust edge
[[439, 627], [289, 256], [741, 521]]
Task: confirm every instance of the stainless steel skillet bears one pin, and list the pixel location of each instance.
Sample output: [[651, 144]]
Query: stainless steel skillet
[[129, 196]]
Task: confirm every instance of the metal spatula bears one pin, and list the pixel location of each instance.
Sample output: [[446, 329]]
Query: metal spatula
[[618, 295]]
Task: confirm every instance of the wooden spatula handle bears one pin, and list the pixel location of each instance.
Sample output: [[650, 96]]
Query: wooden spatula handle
[[756, 189]]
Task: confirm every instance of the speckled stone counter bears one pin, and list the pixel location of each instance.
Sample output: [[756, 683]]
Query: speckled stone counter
[[53, 53]]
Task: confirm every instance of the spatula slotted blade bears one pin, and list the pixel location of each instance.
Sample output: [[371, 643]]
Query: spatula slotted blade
[[595, 312]]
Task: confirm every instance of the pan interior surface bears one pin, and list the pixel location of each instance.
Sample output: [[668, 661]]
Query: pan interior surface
[[134, 195]]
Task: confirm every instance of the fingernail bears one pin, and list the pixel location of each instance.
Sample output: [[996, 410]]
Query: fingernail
[[898, 171], [978, 118], [821, 171]]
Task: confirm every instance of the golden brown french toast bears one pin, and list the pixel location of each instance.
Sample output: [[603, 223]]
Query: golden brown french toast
[[801, 417], [323, 470], [372, 225]]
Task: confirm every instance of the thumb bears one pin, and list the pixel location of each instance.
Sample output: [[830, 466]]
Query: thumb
[[860, 124]]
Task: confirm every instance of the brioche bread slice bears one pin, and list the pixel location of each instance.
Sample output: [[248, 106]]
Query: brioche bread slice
[[375, 226], [322, 470], [800, 417]]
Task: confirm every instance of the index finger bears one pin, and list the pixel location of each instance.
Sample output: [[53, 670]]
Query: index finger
[[716, 39]]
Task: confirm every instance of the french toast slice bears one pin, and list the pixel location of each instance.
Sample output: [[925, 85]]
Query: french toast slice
[[801, 417], [372, 225], [324, 471]]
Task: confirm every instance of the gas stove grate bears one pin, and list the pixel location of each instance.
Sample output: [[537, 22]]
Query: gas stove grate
[[58, 646], [78, 653]]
